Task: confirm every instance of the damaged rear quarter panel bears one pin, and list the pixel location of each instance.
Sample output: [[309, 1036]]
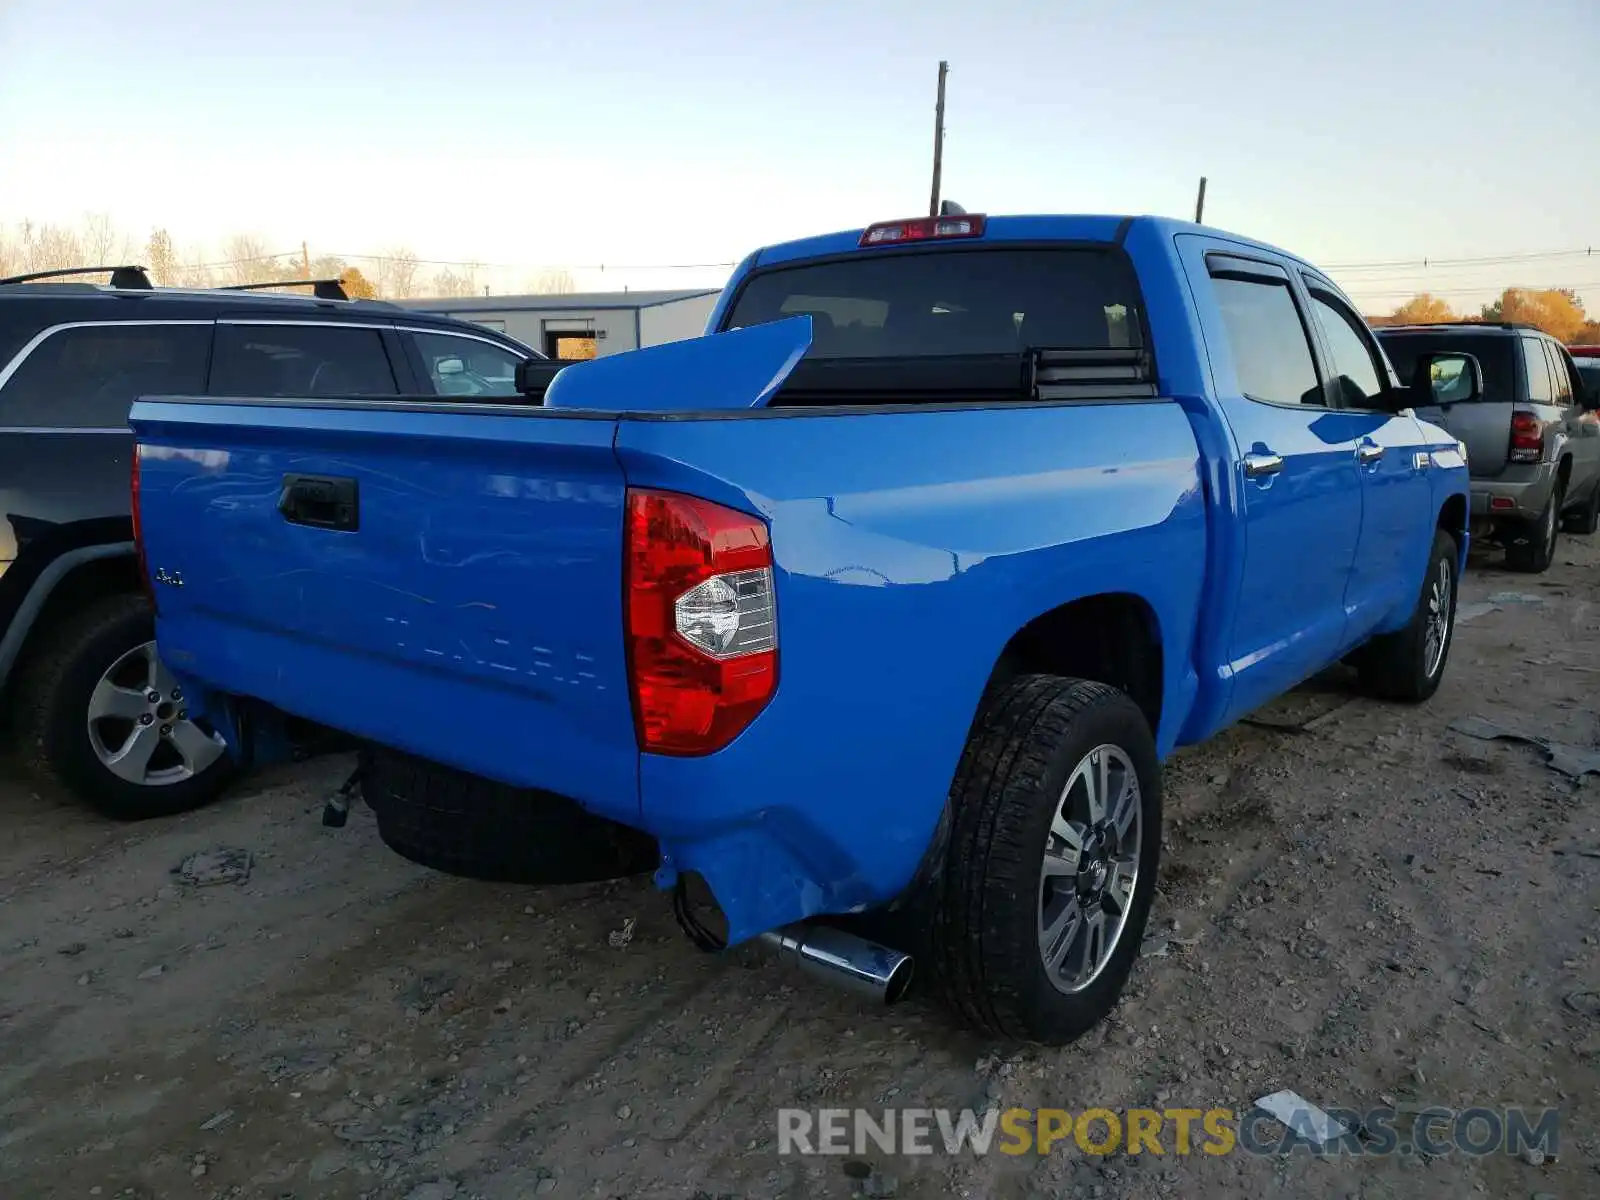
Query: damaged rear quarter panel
[[909, 547]]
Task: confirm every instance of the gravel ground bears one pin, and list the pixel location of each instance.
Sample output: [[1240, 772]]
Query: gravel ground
[[1386, 910]]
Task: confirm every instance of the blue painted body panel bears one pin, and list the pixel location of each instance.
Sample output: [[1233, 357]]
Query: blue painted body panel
[[476, 616], [475, 611]]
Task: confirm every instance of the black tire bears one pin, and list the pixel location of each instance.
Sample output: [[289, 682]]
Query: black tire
[[51, 698], [1585, 520], [1531, 547], [1400, 665], [467, 826], [986, 938]]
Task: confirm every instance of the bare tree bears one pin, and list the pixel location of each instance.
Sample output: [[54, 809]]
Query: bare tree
[[463, 282], [396, 274], [49, 248], [161, 258], [247, 260], [99, 241], [196, 272], [557, 281]]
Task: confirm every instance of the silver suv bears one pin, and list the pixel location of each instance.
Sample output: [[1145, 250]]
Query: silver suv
[[1515, 398]]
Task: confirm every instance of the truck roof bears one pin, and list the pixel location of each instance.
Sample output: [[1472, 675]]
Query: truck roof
[[1087, 227]]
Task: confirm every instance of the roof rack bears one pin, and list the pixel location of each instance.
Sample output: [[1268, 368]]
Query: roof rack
[[1465, 325], [322, 289], [127, 277]]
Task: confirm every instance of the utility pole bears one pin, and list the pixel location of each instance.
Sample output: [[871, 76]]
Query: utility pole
[[305, 262], [938, 140], [1200, 201]]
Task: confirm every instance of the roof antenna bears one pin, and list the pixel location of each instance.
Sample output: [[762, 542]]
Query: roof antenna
[[949, 208]]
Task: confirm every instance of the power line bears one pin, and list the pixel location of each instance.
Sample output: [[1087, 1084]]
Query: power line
[[1487, 290], [1487, 260]]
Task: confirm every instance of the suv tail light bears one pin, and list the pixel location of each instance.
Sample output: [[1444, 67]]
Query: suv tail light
[[138, 525], [701, 625], [1527, 438]]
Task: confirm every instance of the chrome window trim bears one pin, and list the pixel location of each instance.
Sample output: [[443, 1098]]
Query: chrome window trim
[[471, 337]]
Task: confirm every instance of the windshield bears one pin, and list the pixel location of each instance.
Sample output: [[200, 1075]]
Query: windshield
[[1494, 355], [970, 302]]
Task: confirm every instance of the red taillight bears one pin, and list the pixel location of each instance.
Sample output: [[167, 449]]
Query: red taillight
[[923, 229], [1527, 438], [701, 621], [138, 525]]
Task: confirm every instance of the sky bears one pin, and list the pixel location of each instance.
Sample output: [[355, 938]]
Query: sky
[[652, 137]]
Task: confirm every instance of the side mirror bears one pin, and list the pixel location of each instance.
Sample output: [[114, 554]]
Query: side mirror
[[449, 366], [1448, 377]]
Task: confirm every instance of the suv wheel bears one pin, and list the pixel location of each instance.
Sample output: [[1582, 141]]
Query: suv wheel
[[1532, 548], [98, 712]]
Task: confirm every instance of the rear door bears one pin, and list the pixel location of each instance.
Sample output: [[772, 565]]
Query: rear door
[[265, 356], [64, 399], [1484, 425], [1297, 461], [1397, 518]]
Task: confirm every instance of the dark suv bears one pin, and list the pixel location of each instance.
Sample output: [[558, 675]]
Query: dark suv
[[1515, 398], [91, 703]]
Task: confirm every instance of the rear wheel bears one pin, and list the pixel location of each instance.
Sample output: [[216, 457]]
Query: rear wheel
[[1586, 519], [97, 711], [1052, 862], [1532, 548]]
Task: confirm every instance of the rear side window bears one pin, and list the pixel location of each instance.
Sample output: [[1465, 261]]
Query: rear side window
[[1355, 372], [1560, 377], [88, 377], [301, 360], [1540, 387], [967, 302], [1270, 352], [1495, 354]]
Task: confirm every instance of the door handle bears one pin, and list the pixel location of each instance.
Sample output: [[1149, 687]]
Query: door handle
[[1368, 452], [1257, 466], [320, 501]]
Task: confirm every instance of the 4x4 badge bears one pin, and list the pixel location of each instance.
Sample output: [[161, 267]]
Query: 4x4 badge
[[170, 578]]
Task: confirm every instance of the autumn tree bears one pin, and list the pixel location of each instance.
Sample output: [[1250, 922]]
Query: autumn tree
[[1423, 309], [1588, 335], [355, 284], [1557, 311]]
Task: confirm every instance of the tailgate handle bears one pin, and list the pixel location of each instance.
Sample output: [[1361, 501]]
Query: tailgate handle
[[321, 501]]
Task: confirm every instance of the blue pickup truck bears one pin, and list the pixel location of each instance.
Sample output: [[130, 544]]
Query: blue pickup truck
[[866, 620]]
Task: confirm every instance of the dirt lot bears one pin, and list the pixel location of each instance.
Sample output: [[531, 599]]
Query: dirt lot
[[1387, 911]]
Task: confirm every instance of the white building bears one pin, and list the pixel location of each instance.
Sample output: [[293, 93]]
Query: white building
[[584, 324]]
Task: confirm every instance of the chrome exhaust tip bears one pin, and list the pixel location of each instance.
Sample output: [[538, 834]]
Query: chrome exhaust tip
[[869, 970]]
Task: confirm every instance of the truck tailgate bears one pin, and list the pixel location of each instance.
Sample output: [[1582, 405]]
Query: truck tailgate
[[468, 569]]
